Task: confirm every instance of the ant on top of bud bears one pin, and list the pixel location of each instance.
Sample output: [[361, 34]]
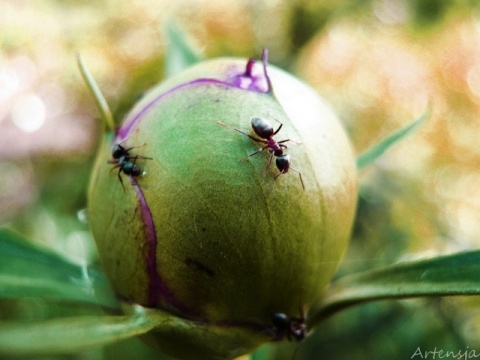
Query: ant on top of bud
[[265, 132]]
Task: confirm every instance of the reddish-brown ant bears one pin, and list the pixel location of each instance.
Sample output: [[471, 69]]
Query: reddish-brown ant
[[125, 162], [266, 132]]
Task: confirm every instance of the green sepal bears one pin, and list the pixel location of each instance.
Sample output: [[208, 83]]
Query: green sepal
[[373, 153], [180, 53], [441, 276], [73, 334], [102, 105]]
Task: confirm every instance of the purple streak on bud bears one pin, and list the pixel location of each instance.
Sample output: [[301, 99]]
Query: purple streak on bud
[[252, 78], [158, 291], [235, 81], [157, 286], [132, 119]]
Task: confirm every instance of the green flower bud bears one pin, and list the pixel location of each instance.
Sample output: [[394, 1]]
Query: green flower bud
[[239, 246]]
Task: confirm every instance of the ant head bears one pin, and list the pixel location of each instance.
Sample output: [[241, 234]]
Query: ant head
[[118, 151], [262, 127]]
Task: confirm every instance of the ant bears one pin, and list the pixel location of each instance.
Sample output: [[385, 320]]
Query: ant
[[125, 162], [288, 327], [265, 131]]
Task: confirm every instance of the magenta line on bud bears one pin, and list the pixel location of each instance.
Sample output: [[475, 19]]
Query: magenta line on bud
[[253, 78], [132, 119], [158, 288], [251, 81]]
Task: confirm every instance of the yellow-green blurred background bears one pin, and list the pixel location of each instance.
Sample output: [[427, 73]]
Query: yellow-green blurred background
[[380, 63]]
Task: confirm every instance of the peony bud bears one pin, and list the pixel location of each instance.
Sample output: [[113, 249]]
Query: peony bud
[[240, 246]]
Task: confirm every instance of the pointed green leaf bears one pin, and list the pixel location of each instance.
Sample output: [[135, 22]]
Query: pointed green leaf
[[180, 52], [102, 105], [69, 335], [27, 269], [442, 276], [378, 149]]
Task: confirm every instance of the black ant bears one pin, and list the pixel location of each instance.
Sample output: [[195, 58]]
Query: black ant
[[288, 327], [125, 162], [265, 131]]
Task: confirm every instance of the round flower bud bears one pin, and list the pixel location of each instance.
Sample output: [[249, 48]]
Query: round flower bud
[[227, 202]]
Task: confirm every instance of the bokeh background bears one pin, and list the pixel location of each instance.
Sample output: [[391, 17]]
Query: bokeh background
[[380, 63]]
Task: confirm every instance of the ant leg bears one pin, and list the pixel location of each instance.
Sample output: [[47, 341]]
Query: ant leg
[[142, 157], [133, 147], [116, 166], [135, 159], [290, 168], [280, 173], [254, 153], [300, 175], [243, 132], [281, 143], [276, 131], [221, 123], [251, 137], [294, 141], [274, 118], [268, 164], [120, 178]]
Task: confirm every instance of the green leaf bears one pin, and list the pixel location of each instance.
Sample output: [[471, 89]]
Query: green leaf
[[265, 352], [69, 335], [180, 53], [442, 276], [27, 269], [378, 149], [102, 105]]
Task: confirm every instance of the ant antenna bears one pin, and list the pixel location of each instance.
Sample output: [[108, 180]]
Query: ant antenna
[[128, 137]]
